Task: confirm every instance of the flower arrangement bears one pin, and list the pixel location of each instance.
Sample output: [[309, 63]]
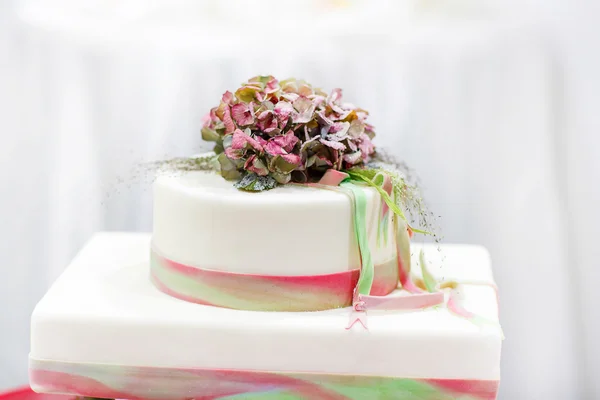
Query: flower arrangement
[[273, 132]]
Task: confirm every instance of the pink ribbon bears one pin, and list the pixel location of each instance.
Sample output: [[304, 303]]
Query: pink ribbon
[[417, 297]]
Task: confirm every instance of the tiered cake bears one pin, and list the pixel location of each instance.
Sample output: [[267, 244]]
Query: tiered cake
[[294, 283]]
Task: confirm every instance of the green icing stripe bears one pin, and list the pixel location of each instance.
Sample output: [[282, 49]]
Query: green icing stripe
[[263, 293], [359, 199], [106, 381], [189, 287], [273, 395], [405, 389], [430, 283], [244, 298]]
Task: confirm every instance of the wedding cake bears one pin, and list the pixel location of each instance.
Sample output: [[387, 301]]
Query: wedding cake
[[280, 267]]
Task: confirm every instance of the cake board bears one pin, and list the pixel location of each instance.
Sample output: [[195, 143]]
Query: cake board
[[104, 330]]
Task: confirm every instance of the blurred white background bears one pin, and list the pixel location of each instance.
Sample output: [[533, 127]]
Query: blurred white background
[[495, 104]]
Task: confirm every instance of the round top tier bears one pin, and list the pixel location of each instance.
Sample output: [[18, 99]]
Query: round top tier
[[201, 220]]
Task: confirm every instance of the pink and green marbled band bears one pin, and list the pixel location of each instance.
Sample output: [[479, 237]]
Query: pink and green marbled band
[[104, 381], [265, 292], [363, 288]]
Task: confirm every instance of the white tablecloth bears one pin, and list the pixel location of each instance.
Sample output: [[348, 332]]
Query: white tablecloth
[[470, 105]]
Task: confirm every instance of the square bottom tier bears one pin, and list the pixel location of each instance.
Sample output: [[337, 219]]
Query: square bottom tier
[[103, 330]]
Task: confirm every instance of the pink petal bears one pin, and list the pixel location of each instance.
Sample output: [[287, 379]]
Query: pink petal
[[261, 141], [233, 153], [243, 114], [357, 128], [339, 128], [323, 119], [206, 120], [302, 104], [362, 116], [333, 145], [325, 160], [339, 110], [241, 139], [335, 96], [274, 149], [283, 110], [229, 125], [227, 97], [290, 97], [254, 164], [238, 140], [317, 100], [305, 90], [292, 158], [353, 158], [352, 145], [264, 114], [272, 86], [287, 142], [302, 118], [267, 121], [213, 114], [366, 146]]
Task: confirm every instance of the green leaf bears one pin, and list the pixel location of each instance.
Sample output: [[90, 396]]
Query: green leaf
[[229, 170], [366, 175], [246, 94], [281, 178], [255, 183], [429, 280], [262, 79], [359, 214], [209, 135], [280, 165]]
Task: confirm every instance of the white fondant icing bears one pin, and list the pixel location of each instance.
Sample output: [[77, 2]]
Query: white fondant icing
[[200, 219], [103, 309]]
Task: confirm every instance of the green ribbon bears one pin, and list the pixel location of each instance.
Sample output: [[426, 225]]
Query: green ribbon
[[367, 270], [428, 279]]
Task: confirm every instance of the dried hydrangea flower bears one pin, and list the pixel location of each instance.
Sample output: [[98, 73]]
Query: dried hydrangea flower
[[270, 132]]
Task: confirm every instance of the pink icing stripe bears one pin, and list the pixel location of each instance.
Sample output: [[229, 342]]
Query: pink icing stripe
[[61, 382], [404, 270], [265, 292], [137, 383], [406, 280], [410, 302], [331, 282], [410, 286], [25, 393], [455, 308], [484, 390]]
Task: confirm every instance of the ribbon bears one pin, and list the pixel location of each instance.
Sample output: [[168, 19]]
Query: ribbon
[[365, 288], [418, 298]]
